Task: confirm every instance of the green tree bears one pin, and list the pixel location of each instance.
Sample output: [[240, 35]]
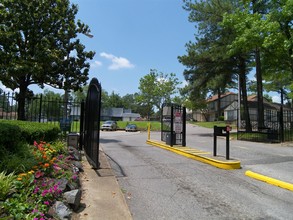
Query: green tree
[[104, 99], [80, 95], [156, 88], [129, 101], [209, 67], [115, 101], [39, 45]]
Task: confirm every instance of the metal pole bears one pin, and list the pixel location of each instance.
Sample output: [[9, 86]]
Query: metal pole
[[215, 141], [172, 127], [40, 109], [184, 127], [227, 145], [81, 125], [239, 104]]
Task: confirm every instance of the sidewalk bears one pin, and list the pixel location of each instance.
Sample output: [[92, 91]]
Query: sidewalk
[[102, 197]]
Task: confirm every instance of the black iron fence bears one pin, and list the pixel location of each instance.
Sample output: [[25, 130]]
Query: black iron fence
[[278, 127], [45, 109]]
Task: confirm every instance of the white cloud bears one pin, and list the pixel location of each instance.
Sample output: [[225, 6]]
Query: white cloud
[[117, 62], [276, 99], [96, 64]]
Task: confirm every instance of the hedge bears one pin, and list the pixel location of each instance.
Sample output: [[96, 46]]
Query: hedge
[[14, 131]]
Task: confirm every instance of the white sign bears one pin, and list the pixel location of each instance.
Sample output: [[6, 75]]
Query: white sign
[[178, 123]]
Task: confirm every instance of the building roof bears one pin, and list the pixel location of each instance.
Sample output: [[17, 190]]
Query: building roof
[[215, 97]]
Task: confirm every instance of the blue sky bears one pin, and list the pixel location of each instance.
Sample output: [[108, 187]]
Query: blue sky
[[130, 37], [133, 36]]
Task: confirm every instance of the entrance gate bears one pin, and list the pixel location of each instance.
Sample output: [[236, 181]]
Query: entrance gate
[[91, 123], [173, 124]]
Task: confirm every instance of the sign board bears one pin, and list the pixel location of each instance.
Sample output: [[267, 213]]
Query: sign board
[[65, 124], [177, 122]]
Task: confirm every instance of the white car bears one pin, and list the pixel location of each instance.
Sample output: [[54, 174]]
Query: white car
[[109, 126]]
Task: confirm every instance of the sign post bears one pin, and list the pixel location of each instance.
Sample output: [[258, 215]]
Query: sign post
[[218, 131]]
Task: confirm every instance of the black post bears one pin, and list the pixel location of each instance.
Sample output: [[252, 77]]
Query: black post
[[40, 109], [81, 125], [227, 144], [184, 127], [172, 127], [215, 141], [282, 117]]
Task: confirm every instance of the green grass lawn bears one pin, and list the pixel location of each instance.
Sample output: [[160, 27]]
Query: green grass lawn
[[211, 124], [141, 125]]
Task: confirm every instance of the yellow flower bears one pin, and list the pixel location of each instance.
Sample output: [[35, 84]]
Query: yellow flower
[[19, 178], [31, 172], [22, 174]]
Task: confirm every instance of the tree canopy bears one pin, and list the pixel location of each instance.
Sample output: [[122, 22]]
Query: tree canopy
[[39, 45], [235, 37], [157, 88]]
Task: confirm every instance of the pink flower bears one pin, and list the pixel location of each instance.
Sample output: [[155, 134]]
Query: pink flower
[[36, 190], [45, 192], [56, 167], [38, 174], [47, 203]]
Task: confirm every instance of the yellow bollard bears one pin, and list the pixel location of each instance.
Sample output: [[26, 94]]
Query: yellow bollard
[[149, 131]]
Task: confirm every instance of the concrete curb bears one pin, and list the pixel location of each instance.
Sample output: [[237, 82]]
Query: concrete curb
[[195, 154], [269, 180]]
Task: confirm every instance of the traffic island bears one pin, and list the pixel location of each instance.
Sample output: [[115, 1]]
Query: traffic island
[[269, 180], [202, 156]]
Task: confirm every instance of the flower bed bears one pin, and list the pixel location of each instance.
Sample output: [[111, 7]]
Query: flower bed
[[34, 194]]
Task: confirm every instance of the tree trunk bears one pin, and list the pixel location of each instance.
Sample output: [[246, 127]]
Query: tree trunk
[[218, 105], [260, 107], [242, 72], [21, 102]]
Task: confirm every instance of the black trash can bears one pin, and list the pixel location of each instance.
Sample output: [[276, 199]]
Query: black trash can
[[169, 139]]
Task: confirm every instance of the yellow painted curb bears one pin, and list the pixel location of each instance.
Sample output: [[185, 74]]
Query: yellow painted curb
[[185, 151], [270, 180]]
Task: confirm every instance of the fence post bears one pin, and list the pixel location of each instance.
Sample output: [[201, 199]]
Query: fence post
[[40, 109], [81, 125]]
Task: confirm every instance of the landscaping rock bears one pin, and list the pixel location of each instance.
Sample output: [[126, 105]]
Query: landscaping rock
[[62, 184], [73, 198], [62, 211], [75, 169], [78, 165], [75, 153], [73, 185]]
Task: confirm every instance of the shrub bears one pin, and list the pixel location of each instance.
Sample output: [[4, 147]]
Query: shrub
[[6, 185], [10, 135], [32, 131], [19, 160]]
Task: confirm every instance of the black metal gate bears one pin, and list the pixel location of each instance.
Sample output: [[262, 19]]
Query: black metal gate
[[173, 124], [91, 123]]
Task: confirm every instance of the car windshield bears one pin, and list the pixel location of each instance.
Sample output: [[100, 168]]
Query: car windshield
[[108, 122]]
